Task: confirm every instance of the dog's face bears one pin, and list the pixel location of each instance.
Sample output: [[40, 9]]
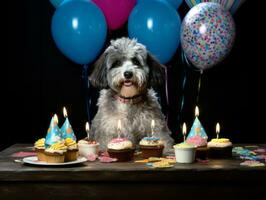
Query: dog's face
[[127, 68]]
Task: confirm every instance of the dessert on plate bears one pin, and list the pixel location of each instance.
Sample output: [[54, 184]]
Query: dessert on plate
[[55, 153], [39, 147], [72, 150]]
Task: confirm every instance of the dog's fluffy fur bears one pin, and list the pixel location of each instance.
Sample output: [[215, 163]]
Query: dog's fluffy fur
[[125, 55]]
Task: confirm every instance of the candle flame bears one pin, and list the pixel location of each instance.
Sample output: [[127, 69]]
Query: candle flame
[[184, 128], [218, 128], [64, 111], [197, 111], [55, 119], [119, 125], [152, 124], [87, 127]]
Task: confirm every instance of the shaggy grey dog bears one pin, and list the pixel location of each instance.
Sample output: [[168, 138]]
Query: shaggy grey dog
[[126, 73]]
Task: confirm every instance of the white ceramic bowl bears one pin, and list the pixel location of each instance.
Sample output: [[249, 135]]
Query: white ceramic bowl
[[185, 155], [87, 149]]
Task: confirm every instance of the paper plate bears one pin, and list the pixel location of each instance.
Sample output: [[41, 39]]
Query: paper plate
[[34, 161]]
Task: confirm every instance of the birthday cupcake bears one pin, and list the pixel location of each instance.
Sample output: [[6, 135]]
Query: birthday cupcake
[[151, 147], [201, 146], [121, 148], [88, 147], [39, 149], [220, 148], [185, 152], [72, 150], [55, 153]]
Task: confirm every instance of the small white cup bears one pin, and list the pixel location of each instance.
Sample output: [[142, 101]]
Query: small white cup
[[185, 155], [87, 149]]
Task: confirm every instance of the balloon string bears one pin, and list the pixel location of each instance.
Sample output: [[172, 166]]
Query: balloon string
[[86, 90], [199, 87], [185, 62], [166, 91]]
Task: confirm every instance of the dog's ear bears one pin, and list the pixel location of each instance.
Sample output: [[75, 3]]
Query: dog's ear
[[99, 72], [156, 74]]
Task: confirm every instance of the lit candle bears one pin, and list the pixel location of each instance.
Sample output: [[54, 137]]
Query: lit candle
[[184, 130], [152, 127], [87, 128], [119, 128], [55, 119], [196, 111], [218, 130], [65, 112]]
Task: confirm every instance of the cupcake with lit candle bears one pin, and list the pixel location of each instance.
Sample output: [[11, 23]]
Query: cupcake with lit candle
[[72, 150], [151, 146], [198, 137], [55, 153], [184, 152], [120, 148], [39, 149], [220, 147], [88, 146]]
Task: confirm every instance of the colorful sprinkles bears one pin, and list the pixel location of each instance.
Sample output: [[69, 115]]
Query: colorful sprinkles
[[207, 34], [252, 158]]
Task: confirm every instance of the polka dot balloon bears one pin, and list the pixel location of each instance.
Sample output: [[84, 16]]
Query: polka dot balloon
[[207, 34]]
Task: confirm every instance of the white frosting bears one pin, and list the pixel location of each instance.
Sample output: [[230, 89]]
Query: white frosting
[[55, 151], [151, 141], [120, 145], [72, 147]]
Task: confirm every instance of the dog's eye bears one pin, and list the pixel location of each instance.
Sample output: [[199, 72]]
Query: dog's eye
[[135, 61], [116, 63]]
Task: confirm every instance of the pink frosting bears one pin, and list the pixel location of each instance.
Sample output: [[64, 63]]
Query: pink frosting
[[197, 140], [118, 140]]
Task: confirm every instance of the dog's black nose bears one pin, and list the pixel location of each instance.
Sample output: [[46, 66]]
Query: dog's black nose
[[128, 74]]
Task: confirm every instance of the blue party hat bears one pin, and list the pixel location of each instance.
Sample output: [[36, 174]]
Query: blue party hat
[[67, 131], [197, 129], [54, 133]]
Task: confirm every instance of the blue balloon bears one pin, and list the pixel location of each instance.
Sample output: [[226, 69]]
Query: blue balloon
[[175, 3], [79, 30], [156, 25]]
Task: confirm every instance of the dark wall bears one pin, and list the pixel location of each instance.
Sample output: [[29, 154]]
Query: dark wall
[[41, 81]]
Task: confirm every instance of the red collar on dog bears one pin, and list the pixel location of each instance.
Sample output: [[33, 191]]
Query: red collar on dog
[[130, 100]]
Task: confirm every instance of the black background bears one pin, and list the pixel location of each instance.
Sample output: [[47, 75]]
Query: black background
[[41, 81]]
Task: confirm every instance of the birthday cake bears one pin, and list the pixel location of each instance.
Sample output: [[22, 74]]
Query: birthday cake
[[59, 145], [39, 149], [201, 146], [151, 147], [220, 148], [198, 137], [72, 150], [88, 147], [185, 152], [55, 153], [121, 148]]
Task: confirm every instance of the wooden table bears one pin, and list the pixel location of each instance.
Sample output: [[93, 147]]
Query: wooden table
[[218, 179]]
